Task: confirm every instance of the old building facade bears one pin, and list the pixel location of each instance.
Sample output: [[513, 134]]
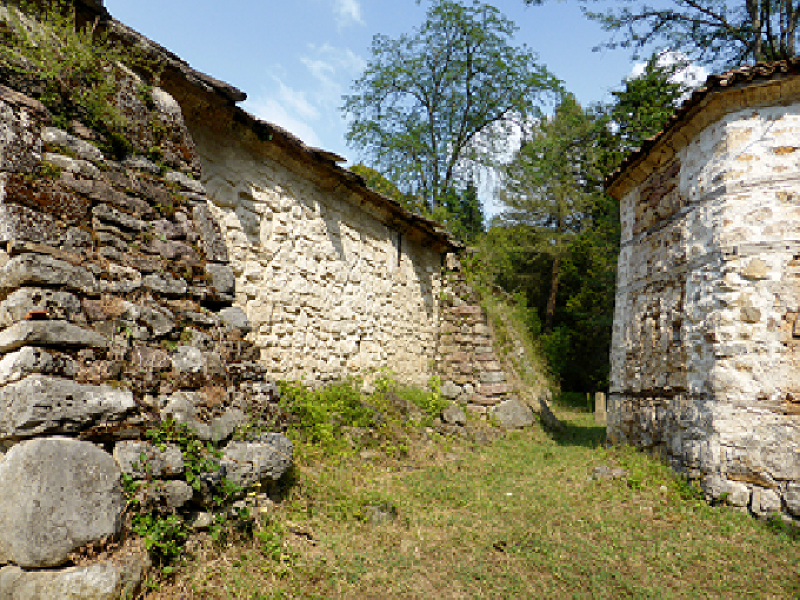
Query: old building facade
[[706, 339]]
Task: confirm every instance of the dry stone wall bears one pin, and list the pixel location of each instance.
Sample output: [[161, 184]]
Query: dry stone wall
[[115, 315], [472, 373], [705, 340]]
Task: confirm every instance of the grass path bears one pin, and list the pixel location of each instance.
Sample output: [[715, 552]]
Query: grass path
[[520, 518]]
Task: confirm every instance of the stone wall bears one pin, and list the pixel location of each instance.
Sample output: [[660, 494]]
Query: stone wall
[[330, 288], [115, 315], [705, 343], [467, 363]]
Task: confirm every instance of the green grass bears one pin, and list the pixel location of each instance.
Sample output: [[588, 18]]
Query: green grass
[[516, 519]]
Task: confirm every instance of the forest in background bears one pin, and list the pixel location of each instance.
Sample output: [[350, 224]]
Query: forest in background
[[439, 108]]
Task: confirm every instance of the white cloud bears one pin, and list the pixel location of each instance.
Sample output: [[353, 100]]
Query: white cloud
[[297, 100], [347, 12], [330, 67]]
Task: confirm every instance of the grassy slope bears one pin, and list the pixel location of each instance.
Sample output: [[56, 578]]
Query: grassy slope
[[517, 519]]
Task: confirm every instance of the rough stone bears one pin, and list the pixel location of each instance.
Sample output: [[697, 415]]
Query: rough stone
[[246, 463], [104, 581], [40, 404], [765, 501], [71, 165], [235, 318], [181, 408], [16, 365], [168, 496], [185, 182], [49, 333], [110, 214], [141, 459], [58, 494], [223, 427], [20, 146], [165, 284], [513, 414], [21, 302], [450, 390], [188, 359], [58, 137], [210, 235], [223, 281], [38, 269], [454, 415], [491, 377], [792, 497], [606, 472], [142, 164]]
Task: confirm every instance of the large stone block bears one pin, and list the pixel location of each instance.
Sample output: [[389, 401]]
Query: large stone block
[[513, 414], [58, 495], [268, 457], [20, 144], [39, 269], [40, 404], [142, 460], [50, 333], [210, 234], [105, 581], [57, 305]]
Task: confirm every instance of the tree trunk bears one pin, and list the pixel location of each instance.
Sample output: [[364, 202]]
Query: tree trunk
[[754, 11], [550, 311]]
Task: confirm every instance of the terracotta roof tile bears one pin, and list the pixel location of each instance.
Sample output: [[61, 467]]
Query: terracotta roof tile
[[763, 71]]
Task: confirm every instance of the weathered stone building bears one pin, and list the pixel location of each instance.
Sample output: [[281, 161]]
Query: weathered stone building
[[706, 340], [335, 278]]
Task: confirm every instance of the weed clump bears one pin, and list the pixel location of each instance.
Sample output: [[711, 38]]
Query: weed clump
[[74, 71]]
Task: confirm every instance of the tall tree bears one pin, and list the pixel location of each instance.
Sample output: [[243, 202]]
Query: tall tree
[[433, 104], [576, 150], [720, 33], [641, 107], [465, 212], [552, 184]]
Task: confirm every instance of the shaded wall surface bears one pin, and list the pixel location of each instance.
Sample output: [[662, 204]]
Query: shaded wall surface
[[705, 340]]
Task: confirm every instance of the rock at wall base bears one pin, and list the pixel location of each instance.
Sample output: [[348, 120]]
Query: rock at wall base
[[58, 494], [513, 414], [104, 581]]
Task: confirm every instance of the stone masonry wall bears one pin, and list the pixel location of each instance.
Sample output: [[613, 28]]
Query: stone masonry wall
[[470, 370], [705, 341], [329, 288], [115, 314]]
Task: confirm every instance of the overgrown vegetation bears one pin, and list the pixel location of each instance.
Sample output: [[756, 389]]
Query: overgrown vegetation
[[522, 518], [73, 70], [163, 530], [337, 419]]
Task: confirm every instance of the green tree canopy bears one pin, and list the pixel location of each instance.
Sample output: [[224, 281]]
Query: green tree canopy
[[552, 184], [433, 104], [641, 108], [720, 33], [558, 240]]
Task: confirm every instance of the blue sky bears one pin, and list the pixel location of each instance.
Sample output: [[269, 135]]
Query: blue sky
[[296, 58]]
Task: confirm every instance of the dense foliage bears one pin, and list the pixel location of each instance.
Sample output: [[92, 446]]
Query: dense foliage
[[73, 70], [557, 241], [433, 105]]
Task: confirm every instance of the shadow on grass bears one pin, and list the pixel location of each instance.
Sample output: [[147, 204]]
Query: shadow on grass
[[579, 435]]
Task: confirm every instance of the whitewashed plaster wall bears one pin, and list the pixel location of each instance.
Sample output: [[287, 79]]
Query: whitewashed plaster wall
[[323, 281], [705, 350]]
